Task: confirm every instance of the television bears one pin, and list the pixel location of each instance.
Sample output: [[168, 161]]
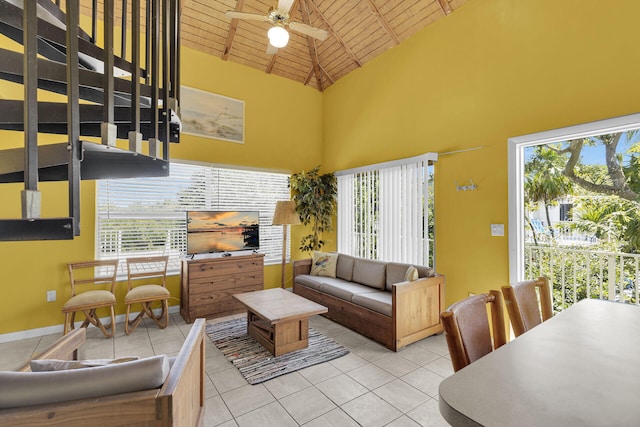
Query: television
[[222, 231]]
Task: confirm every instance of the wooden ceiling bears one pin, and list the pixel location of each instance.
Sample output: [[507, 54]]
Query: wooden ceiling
[[359, 30]]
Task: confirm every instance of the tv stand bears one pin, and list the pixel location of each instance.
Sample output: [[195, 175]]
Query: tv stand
[[208, 284]]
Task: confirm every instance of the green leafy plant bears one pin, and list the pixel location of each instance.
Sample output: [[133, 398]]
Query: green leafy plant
[[315, 198]]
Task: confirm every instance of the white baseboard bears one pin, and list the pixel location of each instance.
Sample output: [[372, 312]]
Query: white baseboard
[[48, 330]]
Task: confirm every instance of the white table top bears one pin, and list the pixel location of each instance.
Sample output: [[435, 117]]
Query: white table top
[[578, 368]]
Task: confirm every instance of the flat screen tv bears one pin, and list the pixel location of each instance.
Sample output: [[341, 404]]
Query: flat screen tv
[[222, 231]]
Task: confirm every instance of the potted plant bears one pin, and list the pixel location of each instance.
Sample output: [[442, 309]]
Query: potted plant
[[315, 198]]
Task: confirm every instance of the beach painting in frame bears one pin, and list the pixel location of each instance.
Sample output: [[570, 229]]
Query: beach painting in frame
[[211, 116]]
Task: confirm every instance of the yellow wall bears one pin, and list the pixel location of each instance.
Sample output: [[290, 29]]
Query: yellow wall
[[283, 132], [493, 69]]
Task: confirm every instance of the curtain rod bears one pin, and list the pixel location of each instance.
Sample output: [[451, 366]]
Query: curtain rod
[[426, 157]]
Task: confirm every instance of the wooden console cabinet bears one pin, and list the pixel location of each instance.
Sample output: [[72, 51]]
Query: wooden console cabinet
[[208, 284]]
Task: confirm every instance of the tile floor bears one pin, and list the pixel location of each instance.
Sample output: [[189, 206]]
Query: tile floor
[[371, 386]]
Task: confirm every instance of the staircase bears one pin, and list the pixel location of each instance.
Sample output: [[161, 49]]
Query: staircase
[[128, 93]]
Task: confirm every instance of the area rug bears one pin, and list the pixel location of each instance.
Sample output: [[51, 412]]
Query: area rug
[[256, 364]]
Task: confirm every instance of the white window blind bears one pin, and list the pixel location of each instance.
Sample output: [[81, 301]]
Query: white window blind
[[147, 216], [385, 211]]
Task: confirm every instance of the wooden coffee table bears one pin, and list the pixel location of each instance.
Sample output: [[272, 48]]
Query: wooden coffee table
[[279, 319]]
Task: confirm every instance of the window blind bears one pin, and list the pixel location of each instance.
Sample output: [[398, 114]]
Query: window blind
[[385, 211], [147, 216]]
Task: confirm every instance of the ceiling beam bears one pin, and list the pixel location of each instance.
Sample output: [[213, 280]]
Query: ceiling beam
[[232, 32], [312, 45], [444, 5], [335, 34], [385, 24]]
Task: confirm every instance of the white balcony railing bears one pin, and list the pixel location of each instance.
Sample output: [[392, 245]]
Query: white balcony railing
[[576, 274]]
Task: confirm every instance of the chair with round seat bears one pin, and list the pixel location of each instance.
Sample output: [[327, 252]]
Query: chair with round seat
[[91, 275], [144, 269], [467, 331]]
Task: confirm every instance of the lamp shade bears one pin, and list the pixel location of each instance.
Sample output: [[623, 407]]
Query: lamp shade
[[285, 213], [278, 36]]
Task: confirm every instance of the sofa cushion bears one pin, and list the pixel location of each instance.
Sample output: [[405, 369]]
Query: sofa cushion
[[369, 272], [377, 301], [344, 269], [310, 281], [396, 273], [344, 290], [324, 264], [19, 389]]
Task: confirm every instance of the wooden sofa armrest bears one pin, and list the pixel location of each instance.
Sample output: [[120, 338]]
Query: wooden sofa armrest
[[416, 309], [301, 266], [182, 395], [179, 402], [65, 348]]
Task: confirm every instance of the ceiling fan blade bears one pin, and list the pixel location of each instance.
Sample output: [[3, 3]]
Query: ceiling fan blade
[[284, 6], [249, 16], [271, 49], [308, 30]]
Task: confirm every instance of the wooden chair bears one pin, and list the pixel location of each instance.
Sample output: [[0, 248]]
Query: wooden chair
[[83, 275], [466, 325], [528, 304], [144, 268]]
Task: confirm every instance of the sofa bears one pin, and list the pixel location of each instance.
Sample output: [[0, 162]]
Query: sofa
[[392, 303], [153, 391]]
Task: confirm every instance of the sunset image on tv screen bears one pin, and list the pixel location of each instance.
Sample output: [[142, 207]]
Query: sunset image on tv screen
[[222, 231]]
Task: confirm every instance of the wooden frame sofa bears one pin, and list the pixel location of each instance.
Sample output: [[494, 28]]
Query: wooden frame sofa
[[179, 401], [374, 299]]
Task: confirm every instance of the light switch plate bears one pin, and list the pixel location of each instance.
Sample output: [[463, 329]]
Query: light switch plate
[[497, 229]]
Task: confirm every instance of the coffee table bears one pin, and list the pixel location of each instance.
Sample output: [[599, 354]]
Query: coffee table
[[279, 319]]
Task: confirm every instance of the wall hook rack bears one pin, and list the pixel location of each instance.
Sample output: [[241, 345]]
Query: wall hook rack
[[469, 187]]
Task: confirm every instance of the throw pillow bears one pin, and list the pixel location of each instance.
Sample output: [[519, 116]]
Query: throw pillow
[[43, 365], [411, 274], [324, 264]]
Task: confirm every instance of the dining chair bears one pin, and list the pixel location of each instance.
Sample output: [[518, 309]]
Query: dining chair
[[467, 330], [144, 269], [528, 304], [88, 281]]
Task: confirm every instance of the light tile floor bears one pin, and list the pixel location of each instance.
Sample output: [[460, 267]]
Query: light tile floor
[[371, 386]]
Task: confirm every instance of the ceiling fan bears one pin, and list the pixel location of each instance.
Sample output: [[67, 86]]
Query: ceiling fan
[[279, 17]]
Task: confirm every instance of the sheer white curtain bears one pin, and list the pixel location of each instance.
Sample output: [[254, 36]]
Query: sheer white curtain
[[383, 210]]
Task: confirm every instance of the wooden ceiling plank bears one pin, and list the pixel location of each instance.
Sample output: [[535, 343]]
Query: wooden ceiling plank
[[444, 5], [232, 32], [385, 24], [335, 34]]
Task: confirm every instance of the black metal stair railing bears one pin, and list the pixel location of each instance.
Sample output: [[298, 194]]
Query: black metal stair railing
[[121, 99]]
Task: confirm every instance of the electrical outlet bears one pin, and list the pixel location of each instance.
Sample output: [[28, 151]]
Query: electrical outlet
[[51, 296]]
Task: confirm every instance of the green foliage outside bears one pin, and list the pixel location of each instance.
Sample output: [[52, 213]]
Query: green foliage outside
[[606, 206]]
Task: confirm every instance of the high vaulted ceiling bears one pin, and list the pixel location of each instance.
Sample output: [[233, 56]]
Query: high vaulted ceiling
[[359, 30]]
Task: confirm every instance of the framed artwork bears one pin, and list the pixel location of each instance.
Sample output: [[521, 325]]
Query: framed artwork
[[211, 116]]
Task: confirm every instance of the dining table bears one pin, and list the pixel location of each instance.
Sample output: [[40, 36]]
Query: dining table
[[575, 369]]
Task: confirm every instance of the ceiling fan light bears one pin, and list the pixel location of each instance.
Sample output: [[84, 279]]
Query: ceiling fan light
[[278, 36]]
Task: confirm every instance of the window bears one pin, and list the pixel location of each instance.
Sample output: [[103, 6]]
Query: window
[[147, 216], [385, 211]]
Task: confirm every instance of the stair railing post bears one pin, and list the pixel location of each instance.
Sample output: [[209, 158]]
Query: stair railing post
[[31, 198], [166, 86], [155, 63], [73, 112], [135, 137], [108, 129]]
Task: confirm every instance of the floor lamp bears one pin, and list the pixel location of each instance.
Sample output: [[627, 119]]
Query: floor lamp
[[284, 215]]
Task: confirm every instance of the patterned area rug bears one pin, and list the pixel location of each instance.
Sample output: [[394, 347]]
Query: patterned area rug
[[256, 364]]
